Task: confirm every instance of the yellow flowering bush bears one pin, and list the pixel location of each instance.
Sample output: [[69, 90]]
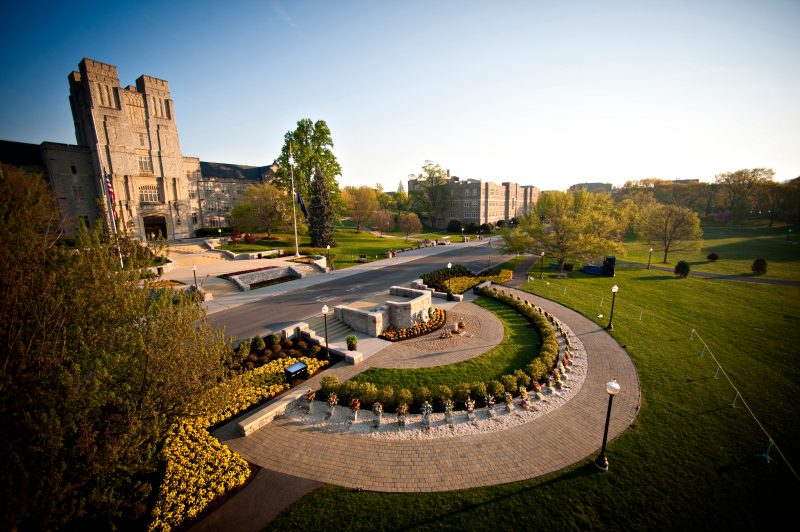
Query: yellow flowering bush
[[198, 467]]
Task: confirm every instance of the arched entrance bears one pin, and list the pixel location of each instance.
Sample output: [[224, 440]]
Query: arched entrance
[[155, 227]]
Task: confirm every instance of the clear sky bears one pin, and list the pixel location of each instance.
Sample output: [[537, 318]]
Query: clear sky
[[544, 93]]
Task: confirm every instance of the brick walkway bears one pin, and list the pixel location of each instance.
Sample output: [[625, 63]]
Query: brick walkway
[[546, 444]]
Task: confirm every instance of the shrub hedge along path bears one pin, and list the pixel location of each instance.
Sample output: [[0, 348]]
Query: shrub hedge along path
[[568, 435]]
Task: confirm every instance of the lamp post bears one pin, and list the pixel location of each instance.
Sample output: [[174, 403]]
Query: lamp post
[[449, 265], [294, 201], [325, 316], [541, 266], [613, 389], [650, 256], [789, 236], [462, 234], [194, 272], [330, 268], [220, 232], [614, 290]]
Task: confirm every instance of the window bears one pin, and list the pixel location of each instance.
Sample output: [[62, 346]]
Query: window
[[208, 187], [194, 218], [141, 139], [145, 164], [224, 205], [149, 194], [85, 220], [74, 170], [77, 192], [223, 188], [192, 194]]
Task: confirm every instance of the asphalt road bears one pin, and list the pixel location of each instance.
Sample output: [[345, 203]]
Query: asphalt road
[[281, 310]]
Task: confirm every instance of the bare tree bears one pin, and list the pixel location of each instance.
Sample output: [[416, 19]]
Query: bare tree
[[382, 220], [409, 223], [670, 228]]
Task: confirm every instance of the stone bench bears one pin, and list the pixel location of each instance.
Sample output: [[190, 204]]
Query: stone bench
[[265, 414]]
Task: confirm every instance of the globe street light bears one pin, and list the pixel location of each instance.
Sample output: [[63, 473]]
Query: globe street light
[[614, 290], [325, 315], [194, 272], [541, 266], [220, 232], [649, 257], [449, 265], [330, 267], [613, 389], [462, 234]]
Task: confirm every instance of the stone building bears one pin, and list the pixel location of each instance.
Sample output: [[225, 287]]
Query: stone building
[[130, 135], [477, 201]]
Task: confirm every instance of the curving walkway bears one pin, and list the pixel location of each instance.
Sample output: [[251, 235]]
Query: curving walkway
[[544, 445]]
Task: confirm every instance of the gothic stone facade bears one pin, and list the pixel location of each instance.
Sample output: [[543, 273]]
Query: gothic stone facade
[[130, 134]]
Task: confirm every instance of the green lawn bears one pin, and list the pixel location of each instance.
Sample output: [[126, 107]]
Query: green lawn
[[349, 245], [737, 247], [519, 347], [691, 459]]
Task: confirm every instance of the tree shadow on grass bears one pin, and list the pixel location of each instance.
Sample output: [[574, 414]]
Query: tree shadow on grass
[[584, 470], [654, 278]]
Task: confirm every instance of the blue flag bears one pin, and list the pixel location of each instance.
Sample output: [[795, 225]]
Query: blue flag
[[302, 205]]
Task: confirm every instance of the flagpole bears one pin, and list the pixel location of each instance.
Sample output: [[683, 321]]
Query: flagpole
[[294, 207], [106, 180]]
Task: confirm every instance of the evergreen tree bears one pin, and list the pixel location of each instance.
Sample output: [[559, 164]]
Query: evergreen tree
[[320, 214]]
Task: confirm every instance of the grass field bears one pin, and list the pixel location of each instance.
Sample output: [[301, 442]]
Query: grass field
[[349, 245], [691, 461], [519, 347], [737, 247]]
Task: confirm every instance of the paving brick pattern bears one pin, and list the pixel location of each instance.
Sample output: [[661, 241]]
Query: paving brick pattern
[[546, 444]]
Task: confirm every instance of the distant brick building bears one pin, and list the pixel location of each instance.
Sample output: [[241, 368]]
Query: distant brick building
[[477, 201], [130, 134]]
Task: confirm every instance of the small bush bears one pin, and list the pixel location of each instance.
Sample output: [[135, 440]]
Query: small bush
[[454, 226], [496, 388], [712, 256], [536, 369], [315, 349], [759, 266], [244, 349], [301, 345], [405, 396], [276, 348], [329, 383], [258, 344], [509, 383], [443, 393], [249, 239], [523, 379], [386, 396], [461, 392], [479, 389], [682, 269], [369, 393], [422, 394], [349, 390], [287, 344], [274, 339]]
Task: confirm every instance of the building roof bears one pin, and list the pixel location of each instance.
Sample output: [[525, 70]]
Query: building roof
[[20, 153], [237, 171]]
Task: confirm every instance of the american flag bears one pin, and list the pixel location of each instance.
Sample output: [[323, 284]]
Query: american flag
[[111, 196]]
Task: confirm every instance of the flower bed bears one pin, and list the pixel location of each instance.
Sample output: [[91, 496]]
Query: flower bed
[[434, 323], [198, 468], [459, 279]]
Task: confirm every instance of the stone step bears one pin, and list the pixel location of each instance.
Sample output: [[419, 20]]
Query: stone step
[[337, 330]]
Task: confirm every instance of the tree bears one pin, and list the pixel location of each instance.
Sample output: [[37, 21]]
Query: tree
[[320, 212], [576, 225], [401, 202], [361, 204], [311, 146], [517, 240], [382, 220], [670, 228], [738, 189], [96, 368], [263, 207], [773, 200], [409, 223], [431, 198]]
